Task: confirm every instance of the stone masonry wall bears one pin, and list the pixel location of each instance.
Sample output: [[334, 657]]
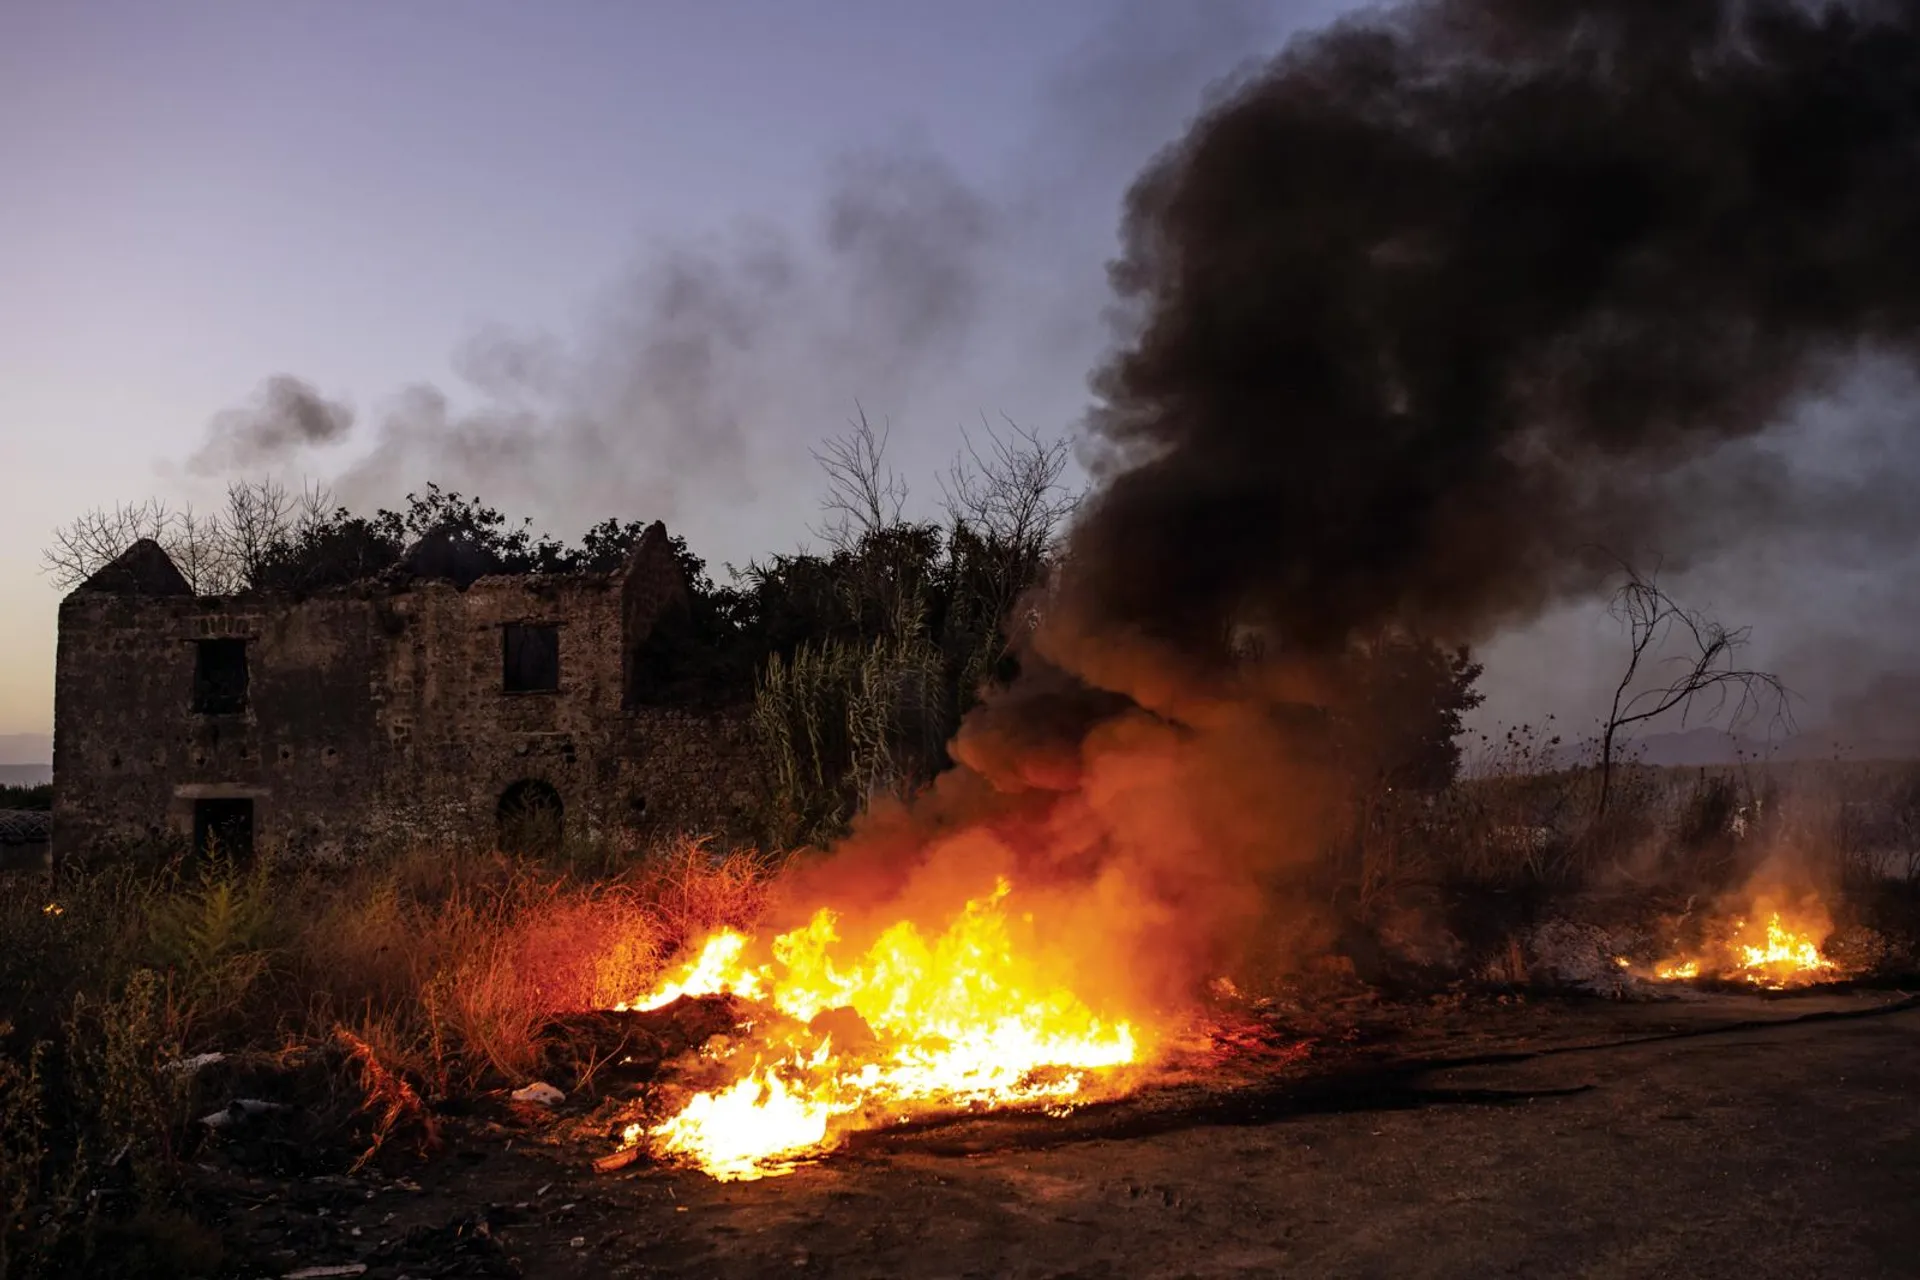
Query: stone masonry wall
[[377, 715], [130, 756]]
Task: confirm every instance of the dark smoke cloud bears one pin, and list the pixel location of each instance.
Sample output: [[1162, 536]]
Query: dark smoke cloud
[[1444, 300], [284, 417]]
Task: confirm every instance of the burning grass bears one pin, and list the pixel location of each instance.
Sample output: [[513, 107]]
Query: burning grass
[[1771, 946], [953, 1020]]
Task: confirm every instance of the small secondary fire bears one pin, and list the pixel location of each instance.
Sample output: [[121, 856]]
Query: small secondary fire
[[1768, 948], [960, 1020]]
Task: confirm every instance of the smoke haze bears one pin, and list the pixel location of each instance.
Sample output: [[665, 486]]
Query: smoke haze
[[702, 375], [285, 417]]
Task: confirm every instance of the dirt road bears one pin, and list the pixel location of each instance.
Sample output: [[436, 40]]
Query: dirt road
[[1787, 1151]]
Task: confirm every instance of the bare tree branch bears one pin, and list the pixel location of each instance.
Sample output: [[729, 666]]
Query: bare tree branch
[[863, 493], [1011, 490], [1703, 676], [90, 542], [1007, 509], [218, 553], [201, 548], [260, 518]]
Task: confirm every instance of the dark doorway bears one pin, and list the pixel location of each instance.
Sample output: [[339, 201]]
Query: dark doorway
[[219, 677], [531, 818], [531, 656], [223, 828]]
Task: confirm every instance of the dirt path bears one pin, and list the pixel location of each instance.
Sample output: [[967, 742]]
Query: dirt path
[[1788, 1151]]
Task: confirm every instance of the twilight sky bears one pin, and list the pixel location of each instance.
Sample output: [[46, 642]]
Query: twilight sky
[[590, 258]]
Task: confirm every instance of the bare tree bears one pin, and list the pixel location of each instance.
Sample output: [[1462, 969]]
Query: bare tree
[[1704, 675], [1011, 490], [217, 553], [90, 542], [260, 518], [201, 547], [863, 493], [1009, 495]]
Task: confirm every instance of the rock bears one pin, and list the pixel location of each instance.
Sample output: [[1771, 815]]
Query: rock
[[540, 1093]]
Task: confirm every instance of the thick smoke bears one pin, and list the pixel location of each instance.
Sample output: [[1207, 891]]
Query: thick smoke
[[1426, 321], [284, 417], [1446, 301]]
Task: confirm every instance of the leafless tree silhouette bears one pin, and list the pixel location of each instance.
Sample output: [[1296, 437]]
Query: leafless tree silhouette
[[217, 553], [1703, 681], [863, 492]]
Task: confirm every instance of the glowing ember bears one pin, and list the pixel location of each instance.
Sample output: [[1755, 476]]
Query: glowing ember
[[917, 1023], [1780, 955]]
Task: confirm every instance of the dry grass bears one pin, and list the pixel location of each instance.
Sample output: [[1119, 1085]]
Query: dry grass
[[425, 975]]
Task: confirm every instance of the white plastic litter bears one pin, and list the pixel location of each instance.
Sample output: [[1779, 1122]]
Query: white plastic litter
[[240, 1109]]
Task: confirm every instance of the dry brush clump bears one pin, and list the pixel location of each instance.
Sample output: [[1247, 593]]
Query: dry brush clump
[[384, 988]]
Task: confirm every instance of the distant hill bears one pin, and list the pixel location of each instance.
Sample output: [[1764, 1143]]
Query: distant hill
[[25, 775]]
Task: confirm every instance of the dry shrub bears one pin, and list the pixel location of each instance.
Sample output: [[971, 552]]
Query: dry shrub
[[467, 957], [421, 975], [390, 1099], [586, 948], [692, 891]]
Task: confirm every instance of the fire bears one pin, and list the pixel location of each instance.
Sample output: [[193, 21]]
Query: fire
[[1781, 953], [1784, 957], [916, 1023]]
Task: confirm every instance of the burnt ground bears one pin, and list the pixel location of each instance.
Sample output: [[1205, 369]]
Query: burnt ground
[[1717, 1135]]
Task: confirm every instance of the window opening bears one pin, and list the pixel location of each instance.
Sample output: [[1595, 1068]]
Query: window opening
[[219, 677], [531, 657]]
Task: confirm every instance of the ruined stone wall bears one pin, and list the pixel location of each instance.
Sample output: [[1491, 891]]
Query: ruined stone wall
[[131, 756], [618, 772], [376, 716]]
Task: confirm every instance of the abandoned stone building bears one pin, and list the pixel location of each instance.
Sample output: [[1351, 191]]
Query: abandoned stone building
[[416, 706]]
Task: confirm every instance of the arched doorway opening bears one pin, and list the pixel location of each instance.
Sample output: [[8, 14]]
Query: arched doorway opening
[[530, 818]]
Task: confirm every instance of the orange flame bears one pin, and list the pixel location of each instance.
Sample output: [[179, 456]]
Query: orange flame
[[1782, 953], [958, 1020]]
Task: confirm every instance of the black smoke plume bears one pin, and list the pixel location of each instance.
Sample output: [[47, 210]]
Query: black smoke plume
[[1446, 300]]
